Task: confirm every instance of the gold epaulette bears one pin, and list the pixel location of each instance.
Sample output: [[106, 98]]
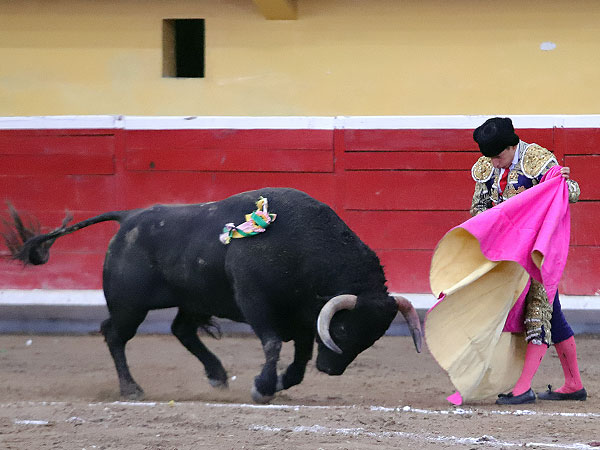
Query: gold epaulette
[[535, 160], [482, 170]]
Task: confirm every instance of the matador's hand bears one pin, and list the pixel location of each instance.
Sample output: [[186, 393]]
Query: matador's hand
[[565, 171]]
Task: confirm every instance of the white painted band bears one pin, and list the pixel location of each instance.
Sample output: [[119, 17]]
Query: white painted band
[[60, 122], [231, 122], [289, 122], [95, 297]]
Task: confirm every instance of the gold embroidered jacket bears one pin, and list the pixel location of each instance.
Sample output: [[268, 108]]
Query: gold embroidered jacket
[[533, 162]]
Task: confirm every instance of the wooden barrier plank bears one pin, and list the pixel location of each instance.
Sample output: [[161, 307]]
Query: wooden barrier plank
[[56, 192], [543, 137], [11, 144], [423, 229], [581, 141], [144, 188], [585, 217], [63, 271], [409, 140], [230, 160], [582, 272], [407, 230], [400, 190], [410, 160], [166, 140], [57, 164], [584, 169], [408, 190], [406, 270], [430, 140], [31, 154]]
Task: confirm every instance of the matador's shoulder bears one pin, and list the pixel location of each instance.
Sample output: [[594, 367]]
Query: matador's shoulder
[[535, 159], [482, 170]]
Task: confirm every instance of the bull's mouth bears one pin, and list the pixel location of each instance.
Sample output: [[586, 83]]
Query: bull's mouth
[[330, 370]]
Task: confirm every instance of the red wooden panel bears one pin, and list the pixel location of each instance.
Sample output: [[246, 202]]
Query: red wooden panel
[[582, 273], [230, 139], [56, 164], [435, 140], [409, 140], [408, 190], [144, 188], [413, 207], [410, 160], [18, 144], [32, 154], [53, 192], [584, 169], [585, 218], [581, 141], [63, 271], [406, 270], [403, 229], [540, 136], [257, 160]]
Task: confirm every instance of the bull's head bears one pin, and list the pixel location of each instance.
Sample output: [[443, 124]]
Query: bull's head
[[348, 324]]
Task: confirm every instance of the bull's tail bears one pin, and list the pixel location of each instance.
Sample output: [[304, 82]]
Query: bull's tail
[[26, 243]]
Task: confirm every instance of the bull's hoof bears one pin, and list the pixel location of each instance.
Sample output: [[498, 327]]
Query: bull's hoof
[[260, 398], [132, 393], [218, 384]]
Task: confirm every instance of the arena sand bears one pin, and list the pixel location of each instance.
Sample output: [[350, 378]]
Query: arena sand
[[60, 392]]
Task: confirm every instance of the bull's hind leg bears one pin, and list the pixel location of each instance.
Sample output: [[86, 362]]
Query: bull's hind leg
[[116, 338], [185, 328]]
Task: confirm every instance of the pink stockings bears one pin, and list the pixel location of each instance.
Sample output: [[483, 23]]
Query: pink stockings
[[567, 353], [533, 358]]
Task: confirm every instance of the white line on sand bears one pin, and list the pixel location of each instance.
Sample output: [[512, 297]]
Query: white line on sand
[[489, 441], [399, 409], [482, 440]]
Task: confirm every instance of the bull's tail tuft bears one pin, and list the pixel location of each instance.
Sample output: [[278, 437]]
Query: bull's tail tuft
[[15, 232], [24, 238], [27, 244]]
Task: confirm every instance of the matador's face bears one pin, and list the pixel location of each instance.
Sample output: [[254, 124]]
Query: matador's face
[[505, 158]]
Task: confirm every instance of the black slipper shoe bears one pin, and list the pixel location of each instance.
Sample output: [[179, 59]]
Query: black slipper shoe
[[580, 395], [510, 399]]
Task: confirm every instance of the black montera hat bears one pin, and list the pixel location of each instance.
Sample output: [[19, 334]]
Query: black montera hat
[[495, 135]]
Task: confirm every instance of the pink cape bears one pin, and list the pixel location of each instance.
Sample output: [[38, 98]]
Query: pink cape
[[480, 270]]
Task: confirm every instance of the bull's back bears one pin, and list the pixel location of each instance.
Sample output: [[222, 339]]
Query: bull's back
[[308, 249]]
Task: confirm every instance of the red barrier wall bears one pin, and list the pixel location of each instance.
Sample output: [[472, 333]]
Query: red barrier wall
[[399, 189]]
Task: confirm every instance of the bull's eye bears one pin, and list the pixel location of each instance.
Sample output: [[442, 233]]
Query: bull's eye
[[341, 333]]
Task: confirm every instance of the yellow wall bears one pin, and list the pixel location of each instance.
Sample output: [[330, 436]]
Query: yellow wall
[[340, 57]]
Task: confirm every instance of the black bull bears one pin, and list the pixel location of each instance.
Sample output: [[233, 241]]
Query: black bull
[[308, 275]]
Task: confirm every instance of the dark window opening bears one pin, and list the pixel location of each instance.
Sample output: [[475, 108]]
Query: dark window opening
[[183, 48]]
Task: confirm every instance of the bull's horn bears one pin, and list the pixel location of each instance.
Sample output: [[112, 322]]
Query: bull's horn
[[412, 319], [345, 301]]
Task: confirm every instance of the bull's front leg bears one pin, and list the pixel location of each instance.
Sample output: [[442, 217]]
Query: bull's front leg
[[294, 374], [265, 384]]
